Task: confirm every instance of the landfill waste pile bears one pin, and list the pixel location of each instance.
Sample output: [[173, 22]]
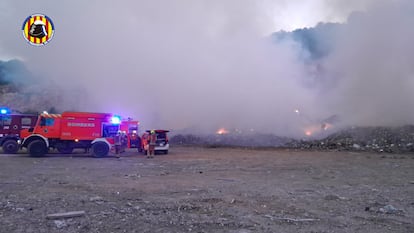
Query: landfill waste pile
[[258, 140], [372, 139]]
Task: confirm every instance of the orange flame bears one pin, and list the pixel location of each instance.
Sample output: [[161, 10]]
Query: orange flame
[[222, 131], [315, 129]]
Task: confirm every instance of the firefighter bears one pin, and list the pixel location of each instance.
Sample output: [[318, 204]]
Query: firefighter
[[118, 143], [124, 141], [152, 141]]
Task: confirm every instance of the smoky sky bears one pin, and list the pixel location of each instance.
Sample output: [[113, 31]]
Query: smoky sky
[[203, 65]]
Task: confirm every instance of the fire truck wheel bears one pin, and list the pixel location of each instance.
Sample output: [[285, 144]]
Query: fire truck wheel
[[10, 147], [37, 148], [100, 149]]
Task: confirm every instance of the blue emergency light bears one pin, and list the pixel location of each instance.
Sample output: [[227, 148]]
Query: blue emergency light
[[116, 120], [4, 110]]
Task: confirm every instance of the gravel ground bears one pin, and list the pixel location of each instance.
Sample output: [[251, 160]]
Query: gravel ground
[[196, 189]]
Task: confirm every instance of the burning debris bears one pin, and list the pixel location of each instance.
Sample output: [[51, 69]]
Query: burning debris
[[370, 139], [375, 139], [314, 128], [319, 130], [231, 137], [258, 140], [222, 131]]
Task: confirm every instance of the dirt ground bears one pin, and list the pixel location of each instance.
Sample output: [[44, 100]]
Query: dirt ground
[[195, 189]]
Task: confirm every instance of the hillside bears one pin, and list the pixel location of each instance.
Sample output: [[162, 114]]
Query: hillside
[[23, 93]]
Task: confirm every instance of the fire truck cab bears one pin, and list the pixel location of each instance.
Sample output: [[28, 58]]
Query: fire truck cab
[[10, 126], [70, 130]]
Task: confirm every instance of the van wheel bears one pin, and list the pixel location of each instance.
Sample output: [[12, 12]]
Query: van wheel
[[166, 152], [100, 149], [10, 147], [37, 148]]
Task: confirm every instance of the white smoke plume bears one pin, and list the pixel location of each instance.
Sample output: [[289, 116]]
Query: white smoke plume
[[207, 64], [374, 65]]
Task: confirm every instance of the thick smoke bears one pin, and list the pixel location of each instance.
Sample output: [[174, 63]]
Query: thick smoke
[[373, 63], [202, 65]]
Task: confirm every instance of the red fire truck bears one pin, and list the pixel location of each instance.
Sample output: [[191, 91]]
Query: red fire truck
[[10, 126], [70, 130], [130, 127]]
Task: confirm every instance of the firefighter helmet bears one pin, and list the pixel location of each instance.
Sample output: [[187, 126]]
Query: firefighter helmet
[[37, 29], [152, 131]]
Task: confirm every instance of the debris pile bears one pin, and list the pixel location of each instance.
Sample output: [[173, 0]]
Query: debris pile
[[186, 139], [373, 139], [259, 140]]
